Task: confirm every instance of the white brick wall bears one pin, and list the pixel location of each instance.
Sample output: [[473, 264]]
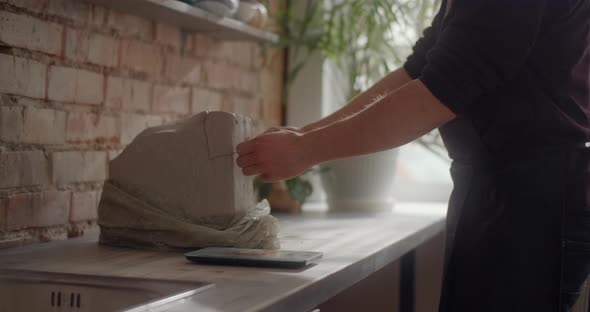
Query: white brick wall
[[84, 206], [182, 69], [239, 53], [39, 209], [92, 127], [206, 100], [98, 16], [89, 87], [141, 57], [44, 126], [247, 81], [220, 75], [22, 76], [76, 166], [205, 46], [36, 6], [112, 154], [23, 168], [82, 46], [76, 11], [11, 123], [62, 84], [74, 85], [171, 99], [133, 124], [130, 26], [28, 32], [168, 35], [54, 210], [128, 94]]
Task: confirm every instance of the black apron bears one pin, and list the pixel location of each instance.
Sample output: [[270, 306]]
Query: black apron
[[518, 227]]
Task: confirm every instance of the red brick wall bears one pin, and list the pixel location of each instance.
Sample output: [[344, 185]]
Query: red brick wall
[[79, 81]]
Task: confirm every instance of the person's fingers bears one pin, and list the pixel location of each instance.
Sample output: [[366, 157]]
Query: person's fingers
[[273, 129], [279, 129], [252, 170], [247, 160], [246, 147]]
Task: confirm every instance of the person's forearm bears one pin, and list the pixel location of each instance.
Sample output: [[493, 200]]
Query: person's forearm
[[388, 84], [398, 118]]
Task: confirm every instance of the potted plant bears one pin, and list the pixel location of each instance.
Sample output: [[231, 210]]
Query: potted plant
[[364, 39], [286, 196]]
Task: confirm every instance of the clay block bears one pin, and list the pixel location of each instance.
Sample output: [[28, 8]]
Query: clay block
[[175, 184], [188, 166]]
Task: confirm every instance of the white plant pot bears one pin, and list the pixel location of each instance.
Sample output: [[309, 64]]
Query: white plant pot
[[363, 183]]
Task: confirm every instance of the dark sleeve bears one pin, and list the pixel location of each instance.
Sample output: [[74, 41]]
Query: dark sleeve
[[416, 61], [482, 46]]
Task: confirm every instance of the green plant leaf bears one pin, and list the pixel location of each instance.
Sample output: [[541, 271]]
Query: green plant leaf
[[261, 188], [299, 188]]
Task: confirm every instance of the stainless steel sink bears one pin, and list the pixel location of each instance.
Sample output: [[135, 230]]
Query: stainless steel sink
[[31, 291]]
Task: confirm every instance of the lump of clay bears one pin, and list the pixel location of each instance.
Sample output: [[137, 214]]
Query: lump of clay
[[177, 185]]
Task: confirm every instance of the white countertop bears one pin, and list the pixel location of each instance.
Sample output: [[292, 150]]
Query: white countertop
[[354, 246]]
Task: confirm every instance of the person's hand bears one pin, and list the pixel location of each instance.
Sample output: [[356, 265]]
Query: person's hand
[[277, 154], [277, 129]]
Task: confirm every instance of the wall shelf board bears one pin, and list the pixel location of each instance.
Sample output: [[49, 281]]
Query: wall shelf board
[[190, 18]]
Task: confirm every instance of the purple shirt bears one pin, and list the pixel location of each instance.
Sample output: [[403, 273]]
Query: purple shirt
[[518, 69]]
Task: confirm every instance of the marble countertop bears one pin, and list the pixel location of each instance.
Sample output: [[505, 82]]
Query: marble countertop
[[354, 246]]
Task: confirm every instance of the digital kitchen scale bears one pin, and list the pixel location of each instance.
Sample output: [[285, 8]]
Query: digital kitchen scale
[[254, 257]]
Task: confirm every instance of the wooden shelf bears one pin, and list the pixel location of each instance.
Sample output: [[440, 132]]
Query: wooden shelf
[[191, 18]]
